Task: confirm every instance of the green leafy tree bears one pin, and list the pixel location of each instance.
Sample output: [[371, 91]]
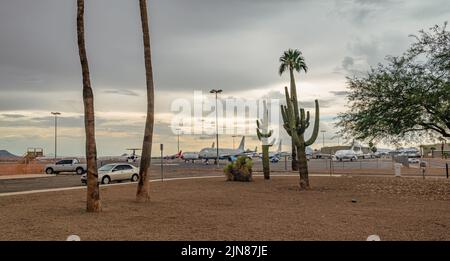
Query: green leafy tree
[[372, 147], [406, 99], [292, 60]]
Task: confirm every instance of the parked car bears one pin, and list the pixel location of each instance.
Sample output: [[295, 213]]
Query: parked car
[[115, 172], [274, 159], [342, 155], [66, 165], [413, 160]]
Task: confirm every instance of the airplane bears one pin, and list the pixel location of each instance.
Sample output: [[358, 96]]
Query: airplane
[[133, 157], [309, 152], [174, 156], [192, 156], [409, 152], [352, 154], [229, 154], [363, 155], [382, 152], [349, 154], [252, 153], [278, 154]]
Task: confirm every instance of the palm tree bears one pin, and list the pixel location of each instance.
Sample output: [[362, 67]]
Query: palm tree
[[293, 60], [93, 192], [142, 193]]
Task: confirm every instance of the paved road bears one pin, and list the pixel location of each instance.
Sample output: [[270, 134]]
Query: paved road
[[69, 180], [175, 169]]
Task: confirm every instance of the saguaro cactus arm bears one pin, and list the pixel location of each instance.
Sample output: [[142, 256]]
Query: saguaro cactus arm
[[296, 124], [262, 130], [263, 135], [315, 132]]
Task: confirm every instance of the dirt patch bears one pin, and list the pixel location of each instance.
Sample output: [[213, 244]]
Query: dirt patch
[[212, 209]]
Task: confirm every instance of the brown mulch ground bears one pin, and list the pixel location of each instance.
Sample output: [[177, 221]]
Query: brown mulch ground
[[212, 209]]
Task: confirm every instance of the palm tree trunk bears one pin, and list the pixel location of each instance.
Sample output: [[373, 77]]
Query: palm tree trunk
[[93, 191], [142, 193], [294, 99], [293, 90], [303, 168]]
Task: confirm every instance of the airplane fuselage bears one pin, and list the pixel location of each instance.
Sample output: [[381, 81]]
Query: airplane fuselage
[[211, 153]]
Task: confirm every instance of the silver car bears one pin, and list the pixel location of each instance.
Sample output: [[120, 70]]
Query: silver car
[[66, 165], [115, 172]]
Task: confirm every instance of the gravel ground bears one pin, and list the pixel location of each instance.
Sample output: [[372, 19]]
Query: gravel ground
[[336, 208]]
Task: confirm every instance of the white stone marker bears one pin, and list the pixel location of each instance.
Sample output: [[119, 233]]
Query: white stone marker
[[374, 238], [73, 238]]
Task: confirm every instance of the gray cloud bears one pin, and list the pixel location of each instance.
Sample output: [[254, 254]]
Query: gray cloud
[[310, 104], [206, 137], [340, 93], [122, 92], [360, 12], [197, 44], [307, 104], [348, 63], [12, 116]]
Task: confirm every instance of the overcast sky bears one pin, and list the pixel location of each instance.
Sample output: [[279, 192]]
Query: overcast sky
[[197, 45]]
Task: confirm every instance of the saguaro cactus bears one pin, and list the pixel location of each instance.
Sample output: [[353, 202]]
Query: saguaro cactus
[[295, 123], [264, 134]]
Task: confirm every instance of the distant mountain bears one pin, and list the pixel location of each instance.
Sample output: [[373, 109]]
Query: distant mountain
[[4, 154]]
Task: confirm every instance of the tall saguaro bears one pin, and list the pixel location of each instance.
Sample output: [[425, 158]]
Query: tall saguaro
[[295, 123], [142, 193], [93, 191], [293, 60], [263, 133]]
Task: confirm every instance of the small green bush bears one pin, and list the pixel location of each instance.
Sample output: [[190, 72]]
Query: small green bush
[[239, 170]]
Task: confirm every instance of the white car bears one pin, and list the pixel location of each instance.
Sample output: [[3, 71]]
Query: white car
[[115, 172], [66, 165], [341, 155], [413, 160]]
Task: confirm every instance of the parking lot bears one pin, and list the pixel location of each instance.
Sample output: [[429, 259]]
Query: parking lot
[[178, 168]]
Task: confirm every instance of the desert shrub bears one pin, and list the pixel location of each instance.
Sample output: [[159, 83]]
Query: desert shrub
[[239, 170]]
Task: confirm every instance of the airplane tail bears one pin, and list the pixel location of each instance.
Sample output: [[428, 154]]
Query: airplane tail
[[256, 149], [212, 146], [180, 154], [279, 146], [242, 144]]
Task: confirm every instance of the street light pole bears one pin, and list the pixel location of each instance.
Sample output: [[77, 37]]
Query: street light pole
[[323, 138], [56, 131], [234, 136], [217, 125], [178, 141]]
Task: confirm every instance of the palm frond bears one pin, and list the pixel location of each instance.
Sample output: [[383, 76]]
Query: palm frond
[[292, 58], [282, 68]]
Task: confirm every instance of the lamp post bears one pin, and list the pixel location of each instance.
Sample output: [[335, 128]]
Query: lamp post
[[338, 138], [178, 139], [444, 141], [56, 131], [323, 138], [214, 91]]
